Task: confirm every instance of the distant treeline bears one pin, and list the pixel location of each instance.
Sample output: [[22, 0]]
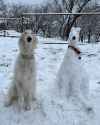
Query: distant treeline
[[53, 25]]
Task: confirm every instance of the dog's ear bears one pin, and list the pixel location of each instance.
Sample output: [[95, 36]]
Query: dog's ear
[[21, 37], [35, 41]]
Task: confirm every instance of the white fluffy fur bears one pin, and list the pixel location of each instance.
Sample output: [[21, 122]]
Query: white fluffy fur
[[72, 78], [23, 87]]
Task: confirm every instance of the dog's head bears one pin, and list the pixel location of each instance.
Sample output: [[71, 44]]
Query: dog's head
[[74, 36], [27, 42]]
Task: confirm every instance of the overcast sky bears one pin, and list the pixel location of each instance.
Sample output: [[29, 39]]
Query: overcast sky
[[27, 1], [35, 1]]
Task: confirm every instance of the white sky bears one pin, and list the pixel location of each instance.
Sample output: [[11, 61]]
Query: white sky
[[27, 1], [35, 1]]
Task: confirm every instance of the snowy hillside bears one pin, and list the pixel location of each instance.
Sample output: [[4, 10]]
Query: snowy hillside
[[49, 109]]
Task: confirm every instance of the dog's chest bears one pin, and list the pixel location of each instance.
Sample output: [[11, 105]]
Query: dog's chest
[[26, 67]]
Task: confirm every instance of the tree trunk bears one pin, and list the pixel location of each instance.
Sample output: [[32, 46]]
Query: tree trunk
[[72, 18], [68, 26]]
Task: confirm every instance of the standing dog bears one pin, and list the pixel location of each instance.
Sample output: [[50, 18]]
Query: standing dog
[[72, 79], [23, 87]]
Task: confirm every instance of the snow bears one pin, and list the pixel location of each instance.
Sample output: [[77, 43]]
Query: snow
[[49, 109], [10, 33]]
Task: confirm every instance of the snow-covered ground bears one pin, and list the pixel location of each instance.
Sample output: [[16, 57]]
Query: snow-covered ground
[[9, 33], [49, 109]]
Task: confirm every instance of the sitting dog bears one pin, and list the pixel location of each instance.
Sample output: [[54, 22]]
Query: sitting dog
[[23, 87], [72, 79]]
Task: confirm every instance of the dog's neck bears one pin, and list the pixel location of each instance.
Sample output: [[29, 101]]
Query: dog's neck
[[24, 56], [76, 50]]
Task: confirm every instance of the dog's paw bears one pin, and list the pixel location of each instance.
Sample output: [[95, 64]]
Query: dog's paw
[[27, 107], [7, 103], [90, 111]]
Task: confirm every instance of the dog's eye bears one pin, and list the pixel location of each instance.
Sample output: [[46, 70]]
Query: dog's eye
[[25, 32], [73, 38]]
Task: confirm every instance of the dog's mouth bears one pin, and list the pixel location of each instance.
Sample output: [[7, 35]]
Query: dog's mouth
[[29, 39]]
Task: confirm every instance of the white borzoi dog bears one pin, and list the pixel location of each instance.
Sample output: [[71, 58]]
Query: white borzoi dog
[[72, 79], [23, 87]]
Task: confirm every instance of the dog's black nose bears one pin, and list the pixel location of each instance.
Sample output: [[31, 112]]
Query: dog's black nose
[[29, 39], [79, 57], [73, 38]]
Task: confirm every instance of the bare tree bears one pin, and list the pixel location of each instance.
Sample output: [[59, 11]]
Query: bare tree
[[71, 6], [3, 8]]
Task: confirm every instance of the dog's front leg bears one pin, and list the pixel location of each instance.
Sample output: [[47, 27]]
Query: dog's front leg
[[85, 103], [33, 91], [20, 94], [77, 94], [27, 100]]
